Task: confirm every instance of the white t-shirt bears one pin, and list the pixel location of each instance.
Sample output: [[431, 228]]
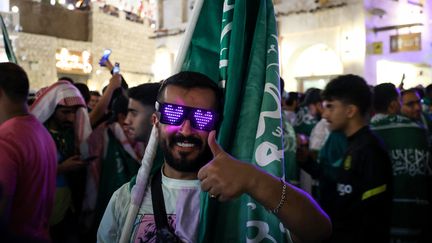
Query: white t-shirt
[[182, 207], [319, 135]]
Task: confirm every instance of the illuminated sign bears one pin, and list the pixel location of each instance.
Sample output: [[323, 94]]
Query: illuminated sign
[[407, 42], [75, 62], [377, 48]]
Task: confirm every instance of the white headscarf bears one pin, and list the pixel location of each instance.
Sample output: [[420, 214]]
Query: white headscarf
[[66, 94]]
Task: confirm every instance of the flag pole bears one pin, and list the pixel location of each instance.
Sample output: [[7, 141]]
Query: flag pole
[[8, 46], [184, 46], [147, 162]]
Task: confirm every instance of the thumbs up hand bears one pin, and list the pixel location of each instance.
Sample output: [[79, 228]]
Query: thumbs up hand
[[225, 177]]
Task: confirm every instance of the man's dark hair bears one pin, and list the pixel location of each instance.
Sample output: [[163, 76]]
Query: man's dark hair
[[84, 90], [292, 96], [383, 95], [95, 93], [14, 82], [349, 89], [188, 80], [312, 96], [118, 106], [145, 93], [412, 90], [420, 91], [428, 90]]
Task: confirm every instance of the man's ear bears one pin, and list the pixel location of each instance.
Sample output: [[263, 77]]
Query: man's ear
[[394, 107], [352, 110], [154, 119]]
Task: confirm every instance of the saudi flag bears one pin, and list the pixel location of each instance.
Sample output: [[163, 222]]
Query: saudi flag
[[235, 43]]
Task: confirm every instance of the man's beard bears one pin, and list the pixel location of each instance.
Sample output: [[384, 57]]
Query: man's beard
[[183, 164]]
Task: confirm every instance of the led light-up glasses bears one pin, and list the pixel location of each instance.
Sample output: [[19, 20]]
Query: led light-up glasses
[[201, 119]]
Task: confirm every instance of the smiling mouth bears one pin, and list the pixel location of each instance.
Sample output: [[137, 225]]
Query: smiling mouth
[[185, 145]]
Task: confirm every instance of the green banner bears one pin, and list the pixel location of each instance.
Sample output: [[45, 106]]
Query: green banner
[[235, 43]]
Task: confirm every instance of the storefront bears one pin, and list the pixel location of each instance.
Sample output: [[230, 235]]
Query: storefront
[[74, 64]]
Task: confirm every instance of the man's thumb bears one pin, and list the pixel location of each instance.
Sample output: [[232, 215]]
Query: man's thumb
[[214, 146]]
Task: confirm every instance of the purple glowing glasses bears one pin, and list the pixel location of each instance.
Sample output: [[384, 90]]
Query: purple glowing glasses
[[201, 119]]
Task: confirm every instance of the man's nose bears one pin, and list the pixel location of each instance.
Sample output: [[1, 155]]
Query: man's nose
[[325, 113], [186, 128], [127, 119], [71, 117]]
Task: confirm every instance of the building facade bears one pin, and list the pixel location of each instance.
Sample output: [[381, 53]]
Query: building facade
[[381, 40], [54, 41], [319, 40]]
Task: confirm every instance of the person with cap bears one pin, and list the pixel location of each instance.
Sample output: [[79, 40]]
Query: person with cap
[[314, 136], [307, 115]]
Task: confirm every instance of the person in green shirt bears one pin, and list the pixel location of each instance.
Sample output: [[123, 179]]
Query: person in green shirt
[[309, 113], [412, 108], [407, 146]]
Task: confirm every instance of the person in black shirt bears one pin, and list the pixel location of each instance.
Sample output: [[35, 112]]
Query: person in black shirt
[[357, 193]]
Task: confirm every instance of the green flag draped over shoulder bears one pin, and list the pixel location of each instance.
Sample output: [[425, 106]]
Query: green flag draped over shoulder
[[235, 43]]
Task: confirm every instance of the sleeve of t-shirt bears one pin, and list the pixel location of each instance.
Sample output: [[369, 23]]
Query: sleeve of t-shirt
[[113, 220], [376, 194], [318, 136], [8, 174], [108, 227]]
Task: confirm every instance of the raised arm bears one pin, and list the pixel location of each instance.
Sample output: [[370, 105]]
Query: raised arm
[[227, 178], [102, 106]]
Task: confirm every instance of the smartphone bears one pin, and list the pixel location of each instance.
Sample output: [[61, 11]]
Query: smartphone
[[116, 68], [105, 56], [90, 158]]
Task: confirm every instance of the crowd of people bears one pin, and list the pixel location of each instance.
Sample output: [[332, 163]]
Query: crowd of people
[[364, 153], [357, 161]]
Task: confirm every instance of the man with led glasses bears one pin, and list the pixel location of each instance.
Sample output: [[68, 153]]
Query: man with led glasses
[[189, 106]]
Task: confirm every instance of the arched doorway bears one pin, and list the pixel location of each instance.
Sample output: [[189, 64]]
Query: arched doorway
[[315, 66]]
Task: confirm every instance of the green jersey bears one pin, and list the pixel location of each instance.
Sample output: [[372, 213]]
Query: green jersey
[[292, 171], [407, 145], [305, 121]]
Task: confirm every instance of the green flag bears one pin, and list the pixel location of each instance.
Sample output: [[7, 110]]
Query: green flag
[[408, 148], [235, 43], [7, 44]]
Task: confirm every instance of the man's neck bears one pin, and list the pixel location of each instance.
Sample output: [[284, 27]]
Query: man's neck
[[170, 172], [354, 126], [13, 110]]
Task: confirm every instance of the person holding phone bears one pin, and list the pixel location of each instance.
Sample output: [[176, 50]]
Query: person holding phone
[[115, 88], [64, 113]]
